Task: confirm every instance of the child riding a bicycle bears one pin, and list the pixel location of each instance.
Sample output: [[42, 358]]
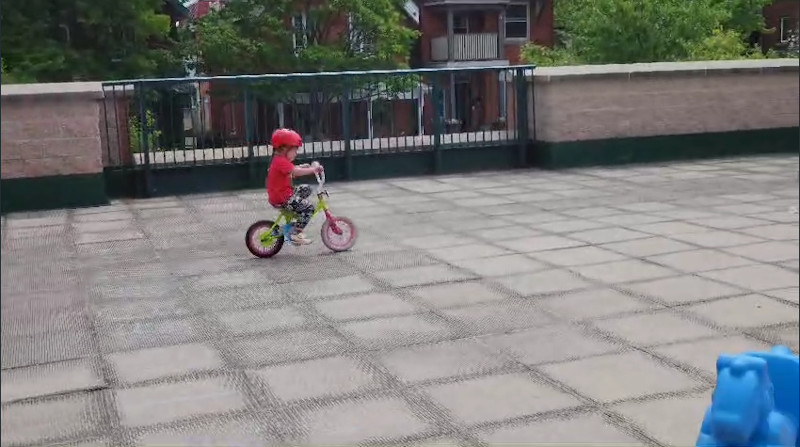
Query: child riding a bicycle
[[280, 191]]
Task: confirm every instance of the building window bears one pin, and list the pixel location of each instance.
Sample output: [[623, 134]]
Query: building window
[[460, 23], [517, 21], [300, 28], [788, 26]]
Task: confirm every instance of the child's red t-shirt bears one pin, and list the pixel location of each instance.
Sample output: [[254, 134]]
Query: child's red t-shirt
[[279, 180]]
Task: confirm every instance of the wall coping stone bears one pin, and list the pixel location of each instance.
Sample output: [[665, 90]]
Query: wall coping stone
[[87, 90], [662, 69]]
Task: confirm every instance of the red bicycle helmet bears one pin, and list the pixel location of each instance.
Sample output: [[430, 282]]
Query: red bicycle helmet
[[286, 137]]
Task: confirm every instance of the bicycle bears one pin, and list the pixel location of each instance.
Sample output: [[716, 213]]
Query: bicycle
[[265, 238]]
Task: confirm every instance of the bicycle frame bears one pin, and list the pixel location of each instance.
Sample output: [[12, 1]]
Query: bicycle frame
[[284, 223]]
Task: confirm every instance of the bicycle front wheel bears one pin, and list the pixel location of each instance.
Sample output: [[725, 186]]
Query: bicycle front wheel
[[343, 237]]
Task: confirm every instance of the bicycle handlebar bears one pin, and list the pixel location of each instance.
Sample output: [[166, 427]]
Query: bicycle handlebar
[[320, 177]]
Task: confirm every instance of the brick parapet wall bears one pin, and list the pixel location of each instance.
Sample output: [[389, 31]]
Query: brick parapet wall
[[584, 103], [50, 130]]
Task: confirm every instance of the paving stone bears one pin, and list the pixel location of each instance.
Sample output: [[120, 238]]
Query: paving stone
[[354, 422], [700, 260], [544, 282], [497, 317], [607, 235], [570, 226], [241, 431], [682, 289], [539, 243], [623, 271], [27, 350], [746, 311], [297, 345], [43, 421], [470, 251], [648, 246], [596, 303], [729, 222], [456, 294], [441, 360], [156, 363], [670, 228], [108, 236], [316, 378], [229, 279], [395, 330], [654, 329], [42, 221], [577, 256], [500, 265], [254, 321], [331, 287], [438, 240], [768, 251], [756, 277], [780, 232], [576, 430], [365, 306], [703, 354], [620, 376], [416, 276], [786, 335], [500, 397], [549, 344], [172, 402], [142, 333], [217, 299], [680, 428], [49, 379], [789, 294], [716, 239], [592, 211]]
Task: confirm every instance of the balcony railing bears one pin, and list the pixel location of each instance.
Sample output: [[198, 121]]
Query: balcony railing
[[466, 47]]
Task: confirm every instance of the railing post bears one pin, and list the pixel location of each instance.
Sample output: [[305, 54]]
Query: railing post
[[144, 139], [438, 117], [347, 131], [522, 116], [248, 134]]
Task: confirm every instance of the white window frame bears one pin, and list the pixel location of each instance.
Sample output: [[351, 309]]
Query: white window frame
[[465, 17], [297, 46], [517, 20], [784, 29]]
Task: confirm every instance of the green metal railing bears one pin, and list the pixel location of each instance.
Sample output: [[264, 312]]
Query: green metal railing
[[158, 123]]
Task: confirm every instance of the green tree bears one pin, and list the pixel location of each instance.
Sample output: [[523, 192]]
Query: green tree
[[65, 40], [630, 31], [291, 36]]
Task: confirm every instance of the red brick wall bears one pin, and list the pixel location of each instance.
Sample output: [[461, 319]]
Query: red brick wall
[[772, 17], [51, 129]]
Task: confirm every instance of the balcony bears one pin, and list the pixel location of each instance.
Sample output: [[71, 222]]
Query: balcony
[[466, 47]]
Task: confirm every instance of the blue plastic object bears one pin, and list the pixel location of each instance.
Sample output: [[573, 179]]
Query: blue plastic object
[[756, 401]]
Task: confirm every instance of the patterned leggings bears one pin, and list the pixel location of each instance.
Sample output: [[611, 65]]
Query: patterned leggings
[[300, 205]]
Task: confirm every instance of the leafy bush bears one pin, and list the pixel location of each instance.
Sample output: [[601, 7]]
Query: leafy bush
[[135, 132]]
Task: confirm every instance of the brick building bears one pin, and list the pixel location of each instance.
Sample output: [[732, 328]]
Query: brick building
[[782, 16], [454, 33]]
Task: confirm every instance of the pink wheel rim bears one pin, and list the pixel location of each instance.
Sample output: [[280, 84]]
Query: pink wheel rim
[[340, 241]]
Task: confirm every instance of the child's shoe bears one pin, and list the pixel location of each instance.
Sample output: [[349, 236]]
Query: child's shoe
[[300, 239]]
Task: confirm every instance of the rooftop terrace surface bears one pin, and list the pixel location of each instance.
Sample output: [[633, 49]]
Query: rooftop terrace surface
[[524, 306]]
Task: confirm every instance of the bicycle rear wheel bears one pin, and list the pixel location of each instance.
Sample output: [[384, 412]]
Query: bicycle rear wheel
[[264, 239]]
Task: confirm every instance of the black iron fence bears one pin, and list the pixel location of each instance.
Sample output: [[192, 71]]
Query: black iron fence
[[165, 123]]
